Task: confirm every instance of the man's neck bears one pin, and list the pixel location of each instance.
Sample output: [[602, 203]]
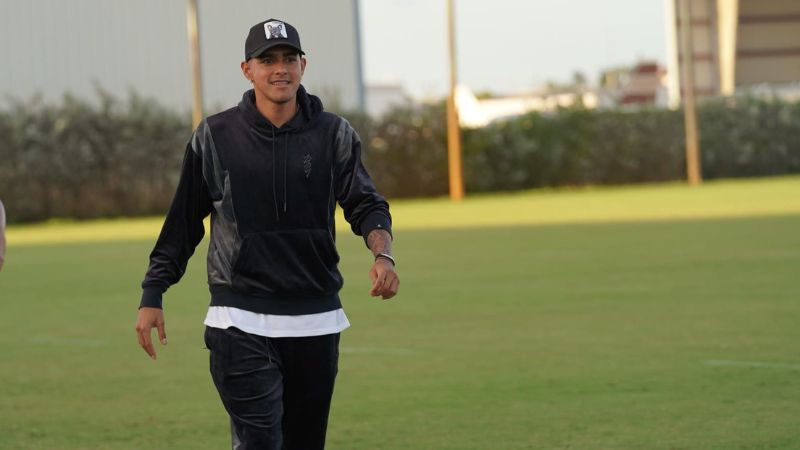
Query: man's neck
[[277, 113]]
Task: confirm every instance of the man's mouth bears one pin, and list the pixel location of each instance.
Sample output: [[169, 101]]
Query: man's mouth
[[280, 83]]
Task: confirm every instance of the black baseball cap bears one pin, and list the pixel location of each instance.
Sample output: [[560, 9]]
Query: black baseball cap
[[270, 33]]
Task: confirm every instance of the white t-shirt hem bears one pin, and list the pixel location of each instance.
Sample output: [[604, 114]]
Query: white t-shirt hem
[[276, 326]]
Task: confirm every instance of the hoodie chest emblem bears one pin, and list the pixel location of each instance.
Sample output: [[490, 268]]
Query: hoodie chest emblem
[[307, 165]]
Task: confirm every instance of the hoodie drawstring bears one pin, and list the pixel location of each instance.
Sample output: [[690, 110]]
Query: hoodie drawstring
[[274, 172], [274, 193], [285, 163]]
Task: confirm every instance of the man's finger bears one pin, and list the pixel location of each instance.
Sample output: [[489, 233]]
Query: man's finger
[[373, 275], [392, 290], [377, 286], [147, 344], [162, 334], [376, 283], [387, 283], [388, 290], [140, 338]]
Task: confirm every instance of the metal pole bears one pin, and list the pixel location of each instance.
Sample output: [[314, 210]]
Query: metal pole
[[453, 132], [194, 61], [361, 101], [689, 112]]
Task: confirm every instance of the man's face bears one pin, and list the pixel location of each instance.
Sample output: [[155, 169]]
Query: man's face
[[276, 74]]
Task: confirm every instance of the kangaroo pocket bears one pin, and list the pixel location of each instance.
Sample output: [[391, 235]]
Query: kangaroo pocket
[[287, 263]]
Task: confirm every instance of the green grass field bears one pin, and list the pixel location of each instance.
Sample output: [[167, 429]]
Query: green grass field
[[654, 317]]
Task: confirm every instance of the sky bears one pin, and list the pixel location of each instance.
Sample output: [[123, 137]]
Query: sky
[[506, 46]]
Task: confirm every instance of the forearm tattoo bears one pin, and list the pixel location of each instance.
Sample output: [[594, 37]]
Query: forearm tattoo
[[380, 241]]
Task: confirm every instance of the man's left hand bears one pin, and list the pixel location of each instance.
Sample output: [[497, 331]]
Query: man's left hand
[[385, 281]]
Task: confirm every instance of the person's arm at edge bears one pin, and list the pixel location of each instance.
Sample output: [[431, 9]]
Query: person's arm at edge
[[2, 235], [182, 231]]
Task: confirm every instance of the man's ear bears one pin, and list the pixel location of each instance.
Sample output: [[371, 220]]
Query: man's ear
[[303, 62], [246, 71]]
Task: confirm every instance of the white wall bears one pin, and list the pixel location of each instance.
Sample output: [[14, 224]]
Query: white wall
[[50, 47]]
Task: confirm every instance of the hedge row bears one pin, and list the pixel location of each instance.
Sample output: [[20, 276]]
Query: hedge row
[[86, 160], [739, 137], [121, 158]]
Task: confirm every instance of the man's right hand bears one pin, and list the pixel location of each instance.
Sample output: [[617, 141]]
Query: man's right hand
[[148, 319]]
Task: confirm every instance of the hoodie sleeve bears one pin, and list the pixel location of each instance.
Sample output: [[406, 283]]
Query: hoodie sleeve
[[364, 208], [181, 232]]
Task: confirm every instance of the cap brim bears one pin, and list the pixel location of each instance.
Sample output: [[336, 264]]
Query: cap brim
[[269, 45]]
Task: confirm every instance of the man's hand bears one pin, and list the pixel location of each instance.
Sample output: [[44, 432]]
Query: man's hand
[[385, 281], [150, 318]]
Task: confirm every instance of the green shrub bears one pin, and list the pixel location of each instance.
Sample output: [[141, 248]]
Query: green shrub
[[86, 160], [121, 158], [406, 151], [742, 137]]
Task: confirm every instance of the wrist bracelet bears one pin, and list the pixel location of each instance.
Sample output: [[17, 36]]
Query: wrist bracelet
[[387, 256]]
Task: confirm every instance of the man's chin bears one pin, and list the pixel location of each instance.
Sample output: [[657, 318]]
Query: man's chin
[[283, 99]]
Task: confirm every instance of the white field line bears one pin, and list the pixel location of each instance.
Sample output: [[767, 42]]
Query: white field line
[[752, 364]]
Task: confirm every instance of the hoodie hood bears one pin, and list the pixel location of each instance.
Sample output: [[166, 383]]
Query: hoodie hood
[[310, 110]]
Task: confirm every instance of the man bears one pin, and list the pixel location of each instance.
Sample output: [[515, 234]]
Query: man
[[270, 172]]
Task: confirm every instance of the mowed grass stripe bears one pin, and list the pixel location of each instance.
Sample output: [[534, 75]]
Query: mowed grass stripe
[[583, 336], [716, 199]]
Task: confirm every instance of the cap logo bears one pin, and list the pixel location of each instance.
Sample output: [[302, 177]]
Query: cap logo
[[275, 30]]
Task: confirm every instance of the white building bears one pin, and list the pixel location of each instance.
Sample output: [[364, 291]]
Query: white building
[[736, 45], [381, 98], [50, 47], [476, 113]]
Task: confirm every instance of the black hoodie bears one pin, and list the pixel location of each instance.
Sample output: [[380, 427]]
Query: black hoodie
[[271, 193]]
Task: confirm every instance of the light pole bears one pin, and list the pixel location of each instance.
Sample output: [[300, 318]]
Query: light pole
[[689, 111], [194, 61], [453, 132]]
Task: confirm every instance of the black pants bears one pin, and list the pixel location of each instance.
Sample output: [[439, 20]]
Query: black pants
[[277, 391]]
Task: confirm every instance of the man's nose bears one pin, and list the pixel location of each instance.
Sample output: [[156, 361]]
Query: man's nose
[[282, 67]]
